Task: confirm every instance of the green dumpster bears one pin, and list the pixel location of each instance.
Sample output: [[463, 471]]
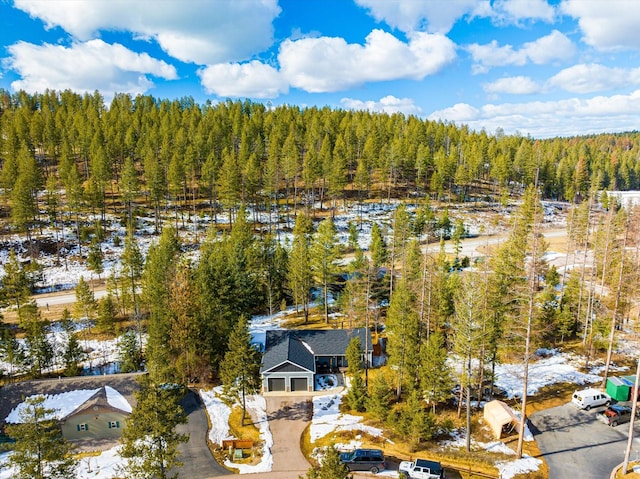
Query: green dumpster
[[618, 389]]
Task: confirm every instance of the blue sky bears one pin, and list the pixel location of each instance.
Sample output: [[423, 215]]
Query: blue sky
[[533, 67]]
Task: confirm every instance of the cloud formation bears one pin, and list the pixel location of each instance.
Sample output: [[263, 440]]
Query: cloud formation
[[546, 49], [589, 78], [196, 31], [411, 15], [389, 104], [253, 79], [329, 64], [85, 67], [606, 25], [516, 11], [518, 85], [544, 119], [439, 17]]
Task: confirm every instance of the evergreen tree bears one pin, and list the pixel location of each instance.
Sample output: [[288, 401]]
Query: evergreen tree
[[357, 394], [299, 273], [227, 282], [325, 253], [275, 262], [401, 234], [467, 333], [40, 451], [106, 314], [24, 192], [11, 351], [436, 381], [39, 351], [159, 272], [132, 265], [412, 423], [331, 467], [129, 353], [95, 258], [402, 341], [85, 304], [379, 401], [15, 282], [378, 247], [240, 367], [73, 354], [149, 443], [183, 345], [129, 186]]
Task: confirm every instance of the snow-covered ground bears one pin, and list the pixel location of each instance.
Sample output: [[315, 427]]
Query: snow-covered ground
[[552, 367], [549, 368], [65, 274]]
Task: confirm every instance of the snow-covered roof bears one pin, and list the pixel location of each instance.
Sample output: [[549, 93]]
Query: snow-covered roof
[[65, 404]]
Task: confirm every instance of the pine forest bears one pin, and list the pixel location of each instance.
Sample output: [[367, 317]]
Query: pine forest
[[194, 218]]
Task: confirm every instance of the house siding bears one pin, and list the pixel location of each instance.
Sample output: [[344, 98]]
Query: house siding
[[287, 376], [296, 354], [97, 425]]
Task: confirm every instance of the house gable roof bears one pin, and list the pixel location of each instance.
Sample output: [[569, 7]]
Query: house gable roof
[[281, 346], [104, 398], [70, 403], [301, 347]]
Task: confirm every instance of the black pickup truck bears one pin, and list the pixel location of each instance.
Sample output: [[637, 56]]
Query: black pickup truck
[[616, 414]]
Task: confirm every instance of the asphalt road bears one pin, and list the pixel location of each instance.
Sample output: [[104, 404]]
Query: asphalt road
[[576, 445], [197, 459]]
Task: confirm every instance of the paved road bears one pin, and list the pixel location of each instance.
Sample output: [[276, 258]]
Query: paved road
[[576, 445], [198, 461]]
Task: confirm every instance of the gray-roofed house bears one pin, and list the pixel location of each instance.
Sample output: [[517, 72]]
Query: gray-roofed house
[[292, 358]]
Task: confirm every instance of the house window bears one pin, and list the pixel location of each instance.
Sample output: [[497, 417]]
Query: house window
[[83, 427], [114, 425]]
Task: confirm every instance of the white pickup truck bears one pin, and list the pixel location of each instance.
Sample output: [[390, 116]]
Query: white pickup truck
[[421, 469]]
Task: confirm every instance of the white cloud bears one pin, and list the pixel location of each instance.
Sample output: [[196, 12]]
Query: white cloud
[[518, 85], [514, 11], [589, 78], [552, 118], [606, 25], [460, 112], [330, 64], [389, 104], [552, 47], [254, 79], [440, 16], [199, 31], [413, 15], [84, 67]]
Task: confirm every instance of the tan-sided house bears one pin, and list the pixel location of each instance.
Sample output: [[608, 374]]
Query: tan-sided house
[[292, 358], [86, 414]]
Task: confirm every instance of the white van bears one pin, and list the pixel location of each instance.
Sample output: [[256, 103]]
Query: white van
[[588, 398]]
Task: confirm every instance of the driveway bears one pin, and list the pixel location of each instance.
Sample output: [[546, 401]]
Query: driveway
[[196, 456], [288, 417], [575, 444]]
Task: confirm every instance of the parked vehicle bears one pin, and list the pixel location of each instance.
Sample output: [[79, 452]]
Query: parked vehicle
[[588, 398], [364, 460], [616, 414], [421, 469]]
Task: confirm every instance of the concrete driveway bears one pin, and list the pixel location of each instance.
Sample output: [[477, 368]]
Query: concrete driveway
[[288, 417], [576, 445]]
